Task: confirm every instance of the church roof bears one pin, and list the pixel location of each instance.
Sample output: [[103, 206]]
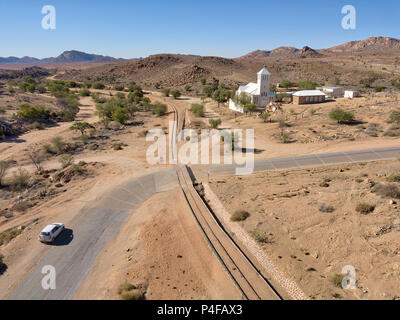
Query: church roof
[[250, 88], [264, 71]]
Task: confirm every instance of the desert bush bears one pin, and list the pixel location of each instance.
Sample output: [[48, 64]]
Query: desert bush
[[176, 94], [203, 81], [265, 115], [341, 116], [214, 123], [336, 280], [7, 236], [240, 215], [379, 88], [285, 137], [119, 87], [393, 131], [28, 112], [84, 92], [365, 208], [160, 109], [57, 146], [3, 170], [66, 161], [394, 177], [395, 117], [326, 209], [387, 190], [197, 109], [2, 264], [128, 291], [166, 92], [120, 115], [58, 88], [117, 146], [98, 85], [250, 107], [261, 237], [188, 88], [286, 84], [20, 180]]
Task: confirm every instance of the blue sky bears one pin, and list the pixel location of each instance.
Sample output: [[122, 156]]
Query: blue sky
[[228, 28]]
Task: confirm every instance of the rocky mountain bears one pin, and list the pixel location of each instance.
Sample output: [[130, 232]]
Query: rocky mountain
[[373, 43], [284, 52], [66, 57]]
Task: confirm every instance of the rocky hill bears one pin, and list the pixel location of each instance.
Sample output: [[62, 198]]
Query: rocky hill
[[373, 43]]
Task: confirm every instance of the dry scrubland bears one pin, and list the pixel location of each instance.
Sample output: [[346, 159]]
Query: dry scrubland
[[313, 222]]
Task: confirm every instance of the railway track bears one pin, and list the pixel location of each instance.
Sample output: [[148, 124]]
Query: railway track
[[250, 282]]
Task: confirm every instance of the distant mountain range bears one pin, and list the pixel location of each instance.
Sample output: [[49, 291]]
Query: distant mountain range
[[66, 57], [370, 44]]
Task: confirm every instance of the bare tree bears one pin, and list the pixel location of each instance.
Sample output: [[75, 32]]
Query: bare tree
[[3, 170], [37, 159]]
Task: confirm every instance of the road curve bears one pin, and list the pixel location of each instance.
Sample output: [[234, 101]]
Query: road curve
[[75, 251]]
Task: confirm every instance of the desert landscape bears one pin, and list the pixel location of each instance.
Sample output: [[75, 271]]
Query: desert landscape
[[73, 143]]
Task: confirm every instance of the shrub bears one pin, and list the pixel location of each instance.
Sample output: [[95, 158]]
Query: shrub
[[326, 209], [188, 88], [57, 145], [128, 291], [66, 161], [3, 170], [365, 208], [203, 81], [119, 87], [265, 115], [387, 190], [250, 107], [394, 178], [260, 237], [240, 215], [395, 117], [160, 109], [379, 88], [117, 146], [28, 112], [176, 94], [7, 236], [286, 84], [198, 109], [336, 280], [341, 116], [84, 92], [20, 180], [98, 85], [214, 123], [2, 265], [166, 92], [120, 115], [285, 137]]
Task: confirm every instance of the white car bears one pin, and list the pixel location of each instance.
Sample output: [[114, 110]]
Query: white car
[[51, 232]]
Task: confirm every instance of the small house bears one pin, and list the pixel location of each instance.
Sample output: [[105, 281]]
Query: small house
[[308, 97]]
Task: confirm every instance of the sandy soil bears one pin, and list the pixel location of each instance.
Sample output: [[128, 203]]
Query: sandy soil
[[161, 248], [312, 246]]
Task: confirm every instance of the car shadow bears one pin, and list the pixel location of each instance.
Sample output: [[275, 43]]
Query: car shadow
[[64, 239], [3, 268]]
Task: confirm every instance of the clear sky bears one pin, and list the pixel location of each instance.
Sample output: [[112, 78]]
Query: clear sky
[[228, 28]]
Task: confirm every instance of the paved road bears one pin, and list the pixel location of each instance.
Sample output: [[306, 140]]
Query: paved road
[[76, 250], [314, 160]]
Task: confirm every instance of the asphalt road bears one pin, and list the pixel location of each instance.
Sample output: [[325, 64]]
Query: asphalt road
[[315, 160], [75, 251]]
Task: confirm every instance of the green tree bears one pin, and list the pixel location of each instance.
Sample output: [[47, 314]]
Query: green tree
[[160, 109], [188, 88], [176, 94], [286, 84], [250, 107], [341, 116], [214, 123], [120, 115], [198, 109], [98, 85], [208, 91], [307, 85], [81, 127]]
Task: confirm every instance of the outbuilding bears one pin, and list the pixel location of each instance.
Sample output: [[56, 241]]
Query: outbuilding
[[335, 92], [350, 94], [308, 97]]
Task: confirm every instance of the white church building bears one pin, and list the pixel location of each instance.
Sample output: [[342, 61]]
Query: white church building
[[258, 92]]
